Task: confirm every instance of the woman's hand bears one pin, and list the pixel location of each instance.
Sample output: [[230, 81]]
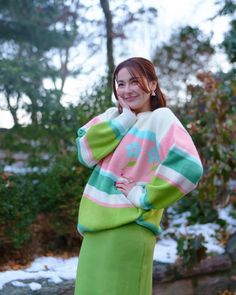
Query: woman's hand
[[125, 185], [122, 103]]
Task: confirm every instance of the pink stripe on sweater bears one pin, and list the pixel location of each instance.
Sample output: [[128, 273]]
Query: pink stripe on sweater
[[104, 204], [178, 136], [88, 149]]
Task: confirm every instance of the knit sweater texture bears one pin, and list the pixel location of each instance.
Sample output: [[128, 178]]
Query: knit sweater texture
[[152, 148]]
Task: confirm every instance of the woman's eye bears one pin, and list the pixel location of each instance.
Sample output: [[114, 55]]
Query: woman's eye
[[134, 82], [120, 84]]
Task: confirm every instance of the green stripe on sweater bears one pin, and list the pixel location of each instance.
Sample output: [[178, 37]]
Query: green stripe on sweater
[[183, 165], [161, 194], [102, 140], [98, 216]]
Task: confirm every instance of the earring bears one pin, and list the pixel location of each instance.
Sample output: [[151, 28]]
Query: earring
[[153, 93]]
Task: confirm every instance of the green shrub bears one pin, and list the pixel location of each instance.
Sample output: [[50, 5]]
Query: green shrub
[[17, 209], [209, 116], [200, 211], [42, 208], [191, 249]]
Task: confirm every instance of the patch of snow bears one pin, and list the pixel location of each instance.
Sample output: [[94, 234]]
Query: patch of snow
[[51, 268], [165, 250], [225, 214], [18, 284], [18, 168], [35, 286]]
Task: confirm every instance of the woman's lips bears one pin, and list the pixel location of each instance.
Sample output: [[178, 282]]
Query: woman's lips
[[130, 98]]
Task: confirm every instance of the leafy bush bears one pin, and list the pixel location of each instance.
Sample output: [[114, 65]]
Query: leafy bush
[[17, 209], [200, 211], [39, 211], [210, 118], [191, 249]]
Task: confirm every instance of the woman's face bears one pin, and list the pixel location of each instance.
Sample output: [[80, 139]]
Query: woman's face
[[128, 88]]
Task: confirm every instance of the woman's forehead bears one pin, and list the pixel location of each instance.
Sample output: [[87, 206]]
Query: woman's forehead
[[127, 73]]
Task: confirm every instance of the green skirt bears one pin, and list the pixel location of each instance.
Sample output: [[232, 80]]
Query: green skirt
[[116, 262]]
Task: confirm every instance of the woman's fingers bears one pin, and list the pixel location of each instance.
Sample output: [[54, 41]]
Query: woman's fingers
[[121, 185], [125, 186], [123, 103]]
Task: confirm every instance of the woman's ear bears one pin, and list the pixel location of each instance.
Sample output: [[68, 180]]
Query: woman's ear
[[153, 85]]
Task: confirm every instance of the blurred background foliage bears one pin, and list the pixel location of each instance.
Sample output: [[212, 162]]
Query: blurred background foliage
[[40, 200]]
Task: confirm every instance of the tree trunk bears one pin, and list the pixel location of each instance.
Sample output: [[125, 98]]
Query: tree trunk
[[109, 38], [12, 109]]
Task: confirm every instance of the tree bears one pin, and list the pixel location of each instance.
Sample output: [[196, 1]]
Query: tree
[[109, 39], [28, 38], [228, 7], [116, 27], [229, 42], [178, 60]]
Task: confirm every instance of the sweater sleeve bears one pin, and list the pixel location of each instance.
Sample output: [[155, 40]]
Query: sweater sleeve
[[177, 174], [102, 134]]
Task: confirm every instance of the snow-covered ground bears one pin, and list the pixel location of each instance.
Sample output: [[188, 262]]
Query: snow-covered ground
[[58, 269], [165, 249]]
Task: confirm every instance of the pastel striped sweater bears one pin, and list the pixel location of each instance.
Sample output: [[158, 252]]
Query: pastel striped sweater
[[153, 148]]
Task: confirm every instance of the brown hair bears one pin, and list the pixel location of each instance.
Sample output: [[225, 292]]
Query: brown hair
[[143, 68]]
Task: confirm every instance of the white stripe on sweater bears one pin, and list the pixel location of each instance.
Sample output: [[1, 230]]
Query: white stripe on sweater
[[107, 200], [86, 153], [175, 178]]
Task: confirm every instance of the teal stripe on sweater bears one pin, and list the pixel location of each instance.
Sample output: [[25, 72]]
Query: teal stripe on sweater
[[143, 134], [183, 165], [103, 183], [144, 202], [81, 132], [155, 229], [82, 229], [187, 155], [117, 128], [105, 173]]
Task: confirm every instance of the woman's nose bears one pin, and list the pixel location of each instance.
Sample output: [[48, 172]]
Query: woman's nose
[[127, 88]]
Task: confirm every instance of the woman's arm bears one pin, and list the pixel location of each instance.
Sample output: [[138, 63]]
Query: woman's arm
[[101, 135], [177, 174]]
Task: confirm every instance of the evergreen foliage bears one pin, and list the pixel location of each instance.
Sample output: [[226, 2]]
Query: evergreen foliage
[[29, 31]]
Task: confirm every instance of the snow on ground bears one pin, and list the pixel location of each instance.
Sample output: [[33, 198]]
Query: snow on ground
[[58, 269], [51, 268], [165, 249]]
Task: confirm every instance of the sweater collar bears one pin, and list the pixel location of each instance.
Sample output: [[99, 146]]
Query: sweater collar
[[144, 114]]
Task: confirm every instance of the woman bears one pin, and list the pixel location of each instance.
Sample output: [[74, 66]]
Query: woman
[[143, 161]]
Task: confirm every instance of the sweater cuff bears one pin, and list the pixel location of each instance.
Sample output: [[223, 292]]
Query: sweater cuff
[[126, 119], [137, 196]]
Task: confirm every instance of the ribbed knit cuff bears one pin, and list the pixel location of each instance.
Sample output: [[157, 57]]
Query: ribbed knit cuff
[[136, 196], [126, 119]]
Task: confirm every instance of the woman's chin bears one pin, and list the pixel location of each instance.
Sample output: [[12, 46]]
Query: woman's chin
[[135, 110], [133, 106]]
